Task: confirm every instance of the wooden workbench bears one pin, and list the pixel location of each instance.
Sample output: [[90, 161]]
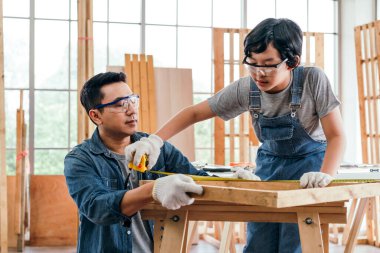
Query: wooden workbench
[[313, 209]]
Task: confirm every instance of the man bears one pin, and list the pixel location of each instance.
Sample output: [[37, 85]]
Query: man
[[106, 192]]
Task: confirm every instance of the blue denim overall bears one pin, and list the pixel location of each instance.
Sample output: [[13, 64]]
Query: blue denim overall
[[287, 152]]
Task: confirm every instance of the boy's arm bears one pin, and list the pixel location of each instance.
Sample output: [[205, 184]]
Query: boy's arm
[[333, 129]]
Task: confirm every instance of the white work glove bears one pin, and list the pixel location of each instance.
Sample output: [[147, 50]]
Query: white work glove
[[149, 146], [171, 191], [315, 180], [245, 174]]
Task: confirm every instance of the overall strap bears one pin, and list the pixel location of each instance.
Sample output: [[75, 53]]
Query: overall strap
[[296, 90], [254, 99]]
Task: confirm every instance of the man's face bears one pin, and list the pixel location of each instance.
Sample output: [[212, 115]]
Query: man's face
[[121, 117], [272, 74]]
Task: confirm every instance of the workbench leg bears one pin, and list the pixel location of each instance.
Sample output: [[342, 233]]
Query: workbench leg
[[354, 231], [193, 233], [158, 231], [325, 237], [175, 224], [347, 227], [310, 232], [226, 238]]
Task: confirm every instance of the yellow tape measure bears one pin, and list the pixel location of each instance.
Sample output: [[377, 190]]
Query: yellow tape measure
[[144, 162]]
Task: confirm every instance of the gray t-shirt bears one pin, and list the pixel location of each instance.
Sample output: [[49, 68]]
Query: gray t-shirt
[[317, 101], [141, 242]]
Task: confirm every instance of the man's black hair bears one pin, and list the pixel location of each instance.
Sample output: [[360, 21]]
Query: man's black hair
[[284, 34], [90, 95]]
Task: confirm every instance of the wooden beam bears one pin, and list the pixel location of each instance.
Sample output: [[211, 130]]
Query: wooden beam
[[3, 171]]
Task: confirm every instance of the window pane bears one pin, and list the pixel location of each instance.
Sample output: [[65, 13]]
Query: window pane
[[258, 10], [16, 53], [10, 161], [286, 9], [194, 51], [123, 39], [100, 10], [51, 119], [201, 9], [74, 55], [57, 9], [52, 55], [226, 13], [100, 47], [204, 155], [12, 8], [49, 162], [327, 23], [155, 14], [125, 11], [73, 119], [74, 10], [161, 43]]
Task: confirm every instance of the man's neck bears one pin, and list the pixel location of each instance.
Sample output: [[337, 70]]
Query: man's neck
[[113, 143]]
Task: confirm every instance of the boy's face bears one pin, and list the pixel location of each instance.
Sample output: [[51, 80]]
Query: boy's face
[[271, 75], [114, 120]]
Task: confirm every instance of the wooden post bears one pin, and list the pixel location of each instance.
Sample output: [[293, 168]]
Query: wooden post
[[3, 171], [85, 63]]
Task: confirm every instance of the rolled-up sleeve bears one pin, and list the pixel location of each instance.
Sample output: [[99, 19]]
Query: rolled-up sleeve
[[94, 199]]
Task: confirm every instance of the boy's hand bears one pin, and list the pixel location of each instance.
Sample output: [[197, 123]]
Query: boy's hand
[[315, 180], [245, 174]]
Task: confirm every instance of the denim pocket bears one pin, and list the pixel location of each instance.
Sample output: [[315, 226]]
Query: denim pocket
[[277, 133], [110, 182]]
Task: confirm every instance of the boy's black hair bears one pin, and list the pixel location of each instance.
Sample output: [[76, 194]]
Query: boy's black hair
[[284, 34], [90, 95]]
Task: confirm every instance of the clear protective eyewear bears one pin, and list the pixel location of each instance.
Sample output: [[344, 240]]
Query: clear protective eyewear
[[121, 105], [265, 69]]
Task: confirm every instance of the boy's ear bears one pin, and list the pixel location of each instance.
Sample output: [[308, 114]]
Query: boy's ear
[[297, 59], [95, 116]]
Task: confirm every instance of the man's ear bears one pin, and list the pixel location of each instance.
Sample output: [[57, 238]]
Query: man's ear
[[95, 116]]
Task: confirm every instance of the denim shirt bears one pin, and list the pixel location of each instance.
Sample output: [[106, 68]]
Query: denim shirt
[[96, 184]]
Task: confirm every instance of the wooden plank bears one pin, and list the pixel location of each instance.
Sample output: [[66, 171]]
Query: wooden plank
[[310, 232], [319, 50], [144, 96], [19, 150], [307, 53], [170, 82], [152, 95], [219, 129], [136, 85], [359, 74], [3, 171], [175, 224], [232, 78], [128, 71], [53, 213]]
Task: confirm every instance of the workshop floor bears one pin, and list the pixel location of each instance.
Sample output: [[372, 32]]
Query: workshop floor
[[202, 247]]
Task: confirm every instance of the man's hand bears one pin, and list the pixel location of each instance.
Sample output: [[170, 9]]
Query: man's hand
[[315, 180], [245, 174], [171, 191], [149, 146]]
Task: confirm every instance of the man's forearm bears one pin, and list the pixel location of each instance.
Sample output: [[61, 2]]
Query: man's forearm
[[136, 199]]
